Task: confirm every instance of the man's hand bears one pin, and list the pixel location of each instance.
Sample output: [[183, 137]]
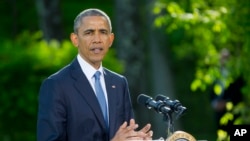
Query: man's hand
[[148, 132], [127, 132]]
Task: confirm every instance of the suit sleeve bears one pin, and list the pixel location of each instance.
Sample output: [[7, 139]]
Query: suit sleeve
[[51, 113], [128, 104]]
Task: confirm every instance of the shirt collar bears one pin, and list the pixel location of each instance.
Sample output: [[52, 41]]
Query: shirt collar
[[87, 69]]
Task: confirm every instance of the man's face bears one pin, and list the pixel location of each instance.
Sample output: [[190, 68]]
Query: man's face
[[93, 39]]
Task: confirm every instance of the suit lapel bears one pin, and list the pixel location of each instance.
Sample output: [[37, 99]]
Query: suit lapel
[[85, 89]]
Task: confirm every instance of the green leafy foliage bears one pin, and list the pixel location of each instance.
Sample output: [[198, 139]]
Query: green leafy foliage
[[199, 30], [25, 62]]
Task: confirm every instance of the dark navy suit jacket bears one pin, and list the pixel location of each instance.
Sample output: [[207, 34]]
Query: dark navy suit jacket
[[69, 109]]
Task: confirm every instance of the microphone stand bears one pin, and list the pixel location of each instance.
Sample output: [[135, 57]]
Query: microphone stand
[[167, 117]]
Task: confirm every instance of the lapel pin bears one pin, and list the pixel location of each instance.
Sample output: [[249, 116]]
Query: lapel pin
[[113, 86]]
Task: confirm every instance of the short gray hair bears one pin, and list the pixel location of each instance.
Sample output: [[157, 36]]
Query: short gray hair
[[90, 12]]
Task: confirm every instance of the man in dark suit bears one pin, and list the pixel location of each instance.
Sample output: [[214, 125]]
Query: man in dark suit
[[69, 108]]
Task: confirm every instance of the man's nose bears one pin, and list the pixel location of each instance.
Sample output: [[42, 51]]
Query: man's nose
[[97, 37]]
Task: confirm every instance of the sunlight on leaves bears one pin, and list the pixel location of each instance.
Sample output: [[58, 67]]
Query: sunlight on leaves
[[229, 106], [195, 84], [218, 26], [225, 118], [217, 89], [174, 9], [222, 135], [208, 79]]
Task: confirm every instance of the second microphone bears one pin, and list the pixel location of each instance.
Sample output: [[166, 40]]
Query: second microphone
[[158, 106]]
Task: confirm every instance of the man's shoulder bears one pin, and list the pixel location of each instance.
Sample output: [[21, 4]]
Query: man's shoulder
[[64, 71], [112, 73], [60, 75]]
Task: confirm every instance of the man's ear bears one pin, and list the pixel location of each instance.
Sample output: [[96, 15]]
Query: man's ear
[[111, 39], [74, 39]]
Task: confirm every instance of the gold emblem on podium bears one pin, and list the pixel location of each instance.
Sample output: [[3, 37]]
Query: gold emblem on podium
[[181, 136]]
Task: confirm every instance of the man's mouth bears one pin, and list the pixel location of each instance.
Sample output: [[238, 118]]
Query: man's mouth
[[97, 50]]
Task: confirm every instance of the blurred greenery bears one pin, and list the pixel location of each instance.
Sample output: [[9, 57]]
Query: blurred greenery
[[199, 30]]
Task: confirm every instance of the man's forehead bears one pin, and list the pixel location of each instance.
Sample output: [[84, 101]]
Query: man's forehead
[[92, 19], [95, 23]]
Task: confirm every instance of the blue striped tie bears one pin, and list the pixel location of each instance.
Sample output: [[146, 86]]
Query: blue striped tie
[[100, 96]]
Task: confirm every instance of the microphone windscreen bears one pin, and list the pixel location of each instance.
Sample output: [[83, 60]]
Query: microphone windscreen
[[160, 97], [142, 99]]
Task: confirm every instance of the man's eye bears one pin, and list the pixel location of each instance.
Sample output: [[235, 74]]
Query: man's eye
[[104, 32], [87, 33]]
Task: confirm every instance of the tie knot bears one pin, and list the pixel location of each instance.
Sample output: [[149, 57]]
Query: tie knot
[[97, 75]]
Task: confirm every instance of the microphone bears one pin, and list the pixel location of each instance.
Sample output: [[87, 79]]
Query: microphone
[[158, 106], [175, 105]]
